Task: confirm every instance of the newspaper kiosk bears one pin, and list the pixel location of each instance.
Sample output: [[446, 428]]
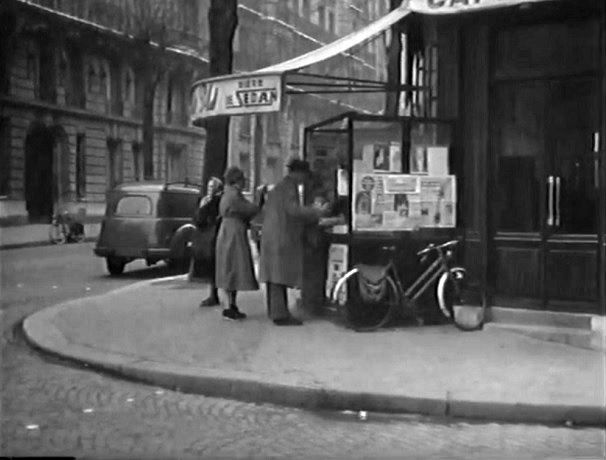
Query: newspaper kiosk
[[392, 185]]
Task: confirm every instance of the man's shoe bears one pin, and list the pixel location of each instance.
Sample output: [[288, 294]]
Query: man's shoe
[[288, 322], [209, 302], [233, 314]]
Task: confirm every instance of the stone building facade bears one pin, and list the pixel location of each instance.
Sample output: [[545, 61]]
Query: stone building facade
[[71, 108], [71, 95]]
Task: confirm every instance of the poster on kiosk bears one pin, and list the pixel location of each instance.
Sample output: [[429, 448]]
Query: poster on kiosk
[[385, 200]]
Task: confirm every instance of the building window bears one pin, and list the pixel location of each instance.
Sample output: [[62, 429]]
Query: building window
[[129, 87], [175, 163], [273, 128], [246, 166], [137, 161], [114, 162], [236, 40], [321, 16], [425, 73], [245, 127], [105, 85], [115, 86], [91, 75], [271, 172], [139, 90], [74, 88], [6, 51], [304, 8], [176, 105], [190, 18], [169, 100], [80, 165], [331, 22], [5, 156], [46, 77]]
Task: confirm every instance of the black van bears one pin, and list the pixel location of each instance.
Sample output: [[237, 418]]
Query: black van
[[147, 220]]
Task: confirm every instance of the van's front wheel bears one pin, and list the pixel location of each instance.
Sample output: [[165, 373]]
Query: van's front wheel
[[115, 265]]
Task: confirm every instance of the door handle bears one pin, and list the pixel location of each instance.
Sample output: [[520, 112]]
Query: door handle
[[596, 160], [557, 203], [550, 187]]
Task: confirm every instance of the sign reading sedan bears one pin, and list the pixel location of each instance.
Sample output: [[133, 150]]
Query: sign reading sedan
[[237, 96]]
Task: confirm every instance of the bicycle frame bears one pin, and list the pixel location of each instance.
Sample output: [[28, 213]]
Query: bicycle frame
[[425, 280]]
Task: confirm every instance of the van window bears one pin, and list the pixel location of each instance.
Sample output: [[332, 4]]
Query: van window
[[134, 205], [179, 205]]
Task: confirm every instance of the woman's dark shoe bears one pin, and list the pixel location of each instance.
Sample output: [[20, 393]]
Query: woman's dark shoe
[[288, 322], [233, 313], [209, 302]]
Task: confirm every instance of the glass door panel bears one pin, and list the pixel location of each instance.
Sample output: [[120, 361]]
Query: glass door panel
[[571, 259], [520, 147], [519, 190], [574, 119]]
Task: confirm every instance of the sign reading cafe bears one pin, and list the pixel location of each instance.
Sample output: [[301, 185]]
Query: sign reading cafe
[[460, 6], [237, 96]]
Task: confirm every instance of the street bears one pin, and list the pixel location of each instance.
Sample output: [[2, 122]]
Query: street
[[52, 407]]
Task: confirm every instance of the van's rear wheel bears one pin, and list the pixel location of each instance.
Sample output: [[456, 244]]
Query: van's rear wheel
[[115, 265]]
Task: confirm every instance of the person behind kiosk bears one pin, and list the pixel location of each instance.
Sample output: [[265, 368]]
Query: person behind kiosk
[[207, 221], [281, 262]]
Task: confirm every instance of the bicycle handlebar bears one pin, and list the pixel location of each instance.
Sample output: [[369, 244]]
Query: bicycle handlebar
[[433, 247]]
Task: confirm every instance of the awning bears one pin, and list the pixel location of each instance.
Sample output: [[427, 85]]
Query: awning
[[262, 90]]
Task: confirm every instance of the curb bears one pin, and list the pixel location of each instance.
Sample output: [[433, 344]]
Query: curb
[[36, 244], [40, 333]]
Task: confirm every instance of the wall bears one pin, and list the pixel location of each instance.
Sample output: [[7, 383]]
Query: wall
[[111, 112]]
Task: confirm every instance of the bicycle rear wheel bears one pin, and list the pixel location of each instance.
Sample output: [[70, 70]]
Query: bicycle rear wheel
[[359, 313], [460, 299]]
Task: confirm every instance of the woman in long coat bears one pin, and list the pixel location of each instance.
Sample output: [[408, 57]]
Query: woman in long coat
[[234, 265], [284, 220]]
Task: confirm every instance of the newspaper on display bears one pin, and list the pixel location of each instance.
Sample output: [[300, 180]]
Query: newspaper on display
[[337, 266], [389, 202]]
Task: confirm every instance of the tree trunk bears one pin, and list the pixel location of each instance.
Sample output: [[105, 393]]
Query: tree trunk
[[394, 73], [147, 146], [222, 21]]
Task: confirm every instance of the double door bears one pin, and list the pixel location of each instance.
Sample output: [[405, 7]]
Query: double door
[[548, 195]]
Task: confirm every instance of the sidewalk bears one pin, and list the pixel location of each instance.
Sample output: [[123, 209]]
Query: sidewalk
[[155, 332], [21, 236]]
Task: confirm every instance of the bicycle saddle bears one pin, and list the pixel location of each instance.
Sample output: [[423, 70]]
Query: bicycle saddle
[[372, 273]]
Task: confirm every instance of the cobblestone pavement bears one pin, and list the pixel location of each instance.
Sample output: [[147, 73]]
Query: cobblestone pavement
[[50, 407]]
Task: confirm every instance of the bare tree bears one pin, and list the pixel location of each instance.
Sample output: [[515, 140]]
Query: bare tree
[[222, 22], [150, 24]]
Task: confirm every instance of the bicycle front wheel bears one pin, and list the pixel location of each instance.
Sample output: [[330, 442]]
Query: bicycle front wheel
[[460, 299], [361, 313]]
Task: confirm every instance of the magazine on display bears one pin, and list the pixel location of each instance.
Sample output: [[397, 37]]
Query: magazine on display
[[389, 202], [337, 266]]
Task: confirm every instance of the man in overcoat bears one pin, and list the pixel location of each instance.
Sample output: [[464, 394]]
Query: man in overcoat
[[281, 261]]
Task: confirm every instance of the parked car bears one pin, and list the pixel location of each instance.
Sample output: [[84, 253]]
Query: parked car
[[147, 220]]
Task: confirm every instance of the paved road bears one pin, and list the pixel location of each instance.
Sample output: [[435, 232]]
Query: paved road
[[51, 407]]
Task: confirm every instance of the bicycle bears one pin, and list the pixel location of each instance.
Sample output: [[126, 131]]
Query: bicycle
[[65, 229], [373, 294]]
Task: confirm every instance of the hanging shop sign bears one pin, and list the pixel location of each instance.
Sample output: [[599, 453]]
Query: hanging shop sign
[[461, 6], [237, 96]]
